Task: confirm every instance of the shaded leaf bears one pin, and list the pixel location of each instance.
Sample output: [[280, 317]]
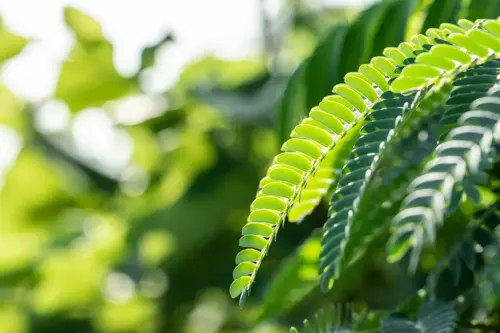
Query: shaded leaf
[[148, 54], [480, 9], [392, 30], [433, 317], [296, 277], [442, 11], [359, 39], [293, 106], [324, 70], [254, 105]]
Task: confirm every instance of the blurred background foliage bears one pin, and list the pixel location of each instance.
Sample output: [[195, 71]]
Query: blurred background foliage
[[120, 210]]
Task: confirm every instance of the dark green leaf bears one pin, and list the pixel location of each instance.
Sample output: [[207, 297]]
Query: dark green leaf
[[324, 70], [483, 9], [296, 277], [392, 30], [442, 11], [360, 36], [148, 55], [433, 317], [293, 107]]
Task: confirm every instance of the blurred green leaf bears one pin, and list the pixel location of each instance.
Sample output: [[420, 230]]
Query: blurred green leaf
[[395, 19], [479, 9], [222, 73], [254, 105], [148, 55], [88, 77], [84, 27], [12, 44], [433, 316], [200, 203], [295, 279], [64, 157], [56, 149], [324, 67], [491, 275], [10, 109], [293, 106], [442, 11], [359, 40]]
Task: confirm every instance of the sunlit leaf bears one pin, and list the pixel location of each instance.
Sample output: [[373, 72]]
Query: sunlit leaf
[[88, 77], [12, 44]]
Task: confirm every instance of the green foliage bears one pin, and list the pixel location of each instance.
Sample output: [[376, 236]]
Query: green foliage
[[337, 318], [413, 184], [13, 44], [341, 50], [310, 143], [378, 126], [299, 273], [483, 8], [148, 55], [398, 165], [442, 12], [293, 103], [113, 243], [88, 77], [491, 283], [433, 316], [317, 135], [456, 171]]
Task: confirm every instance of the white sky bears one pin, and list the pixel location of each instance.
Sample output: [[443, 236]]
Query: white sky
[[228, 28]]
